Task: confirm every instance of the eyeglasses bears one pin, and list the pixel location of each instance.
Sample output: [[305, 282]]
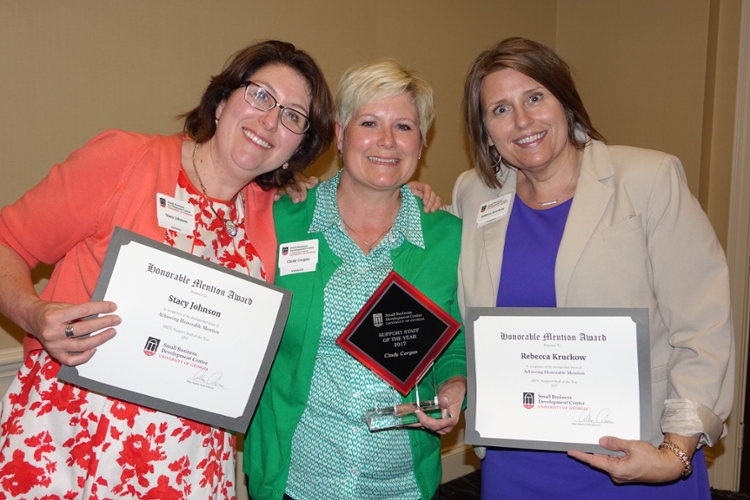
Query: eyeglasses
[[259, 98]]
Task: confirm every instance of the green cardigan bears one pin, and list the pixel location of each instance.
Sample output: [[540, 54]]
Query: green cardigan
[[432, 270]]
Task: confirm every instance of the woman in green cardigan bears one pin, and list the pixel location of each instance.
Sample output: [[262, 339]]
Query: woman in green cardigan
[[309, 438]]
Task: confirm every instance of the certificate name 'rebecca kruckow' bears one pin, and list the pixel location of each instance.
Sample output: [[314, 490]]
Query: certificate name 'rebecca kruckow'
[[564, 380]]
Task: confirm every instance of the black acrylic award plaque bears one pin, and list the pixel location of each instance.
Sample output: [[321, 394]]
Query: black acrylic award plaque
[[398, 333]]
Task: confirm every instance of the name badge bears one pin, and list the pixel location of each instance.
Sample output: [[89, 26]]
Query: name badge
[[493, 210], [175, 214], [298, 257]]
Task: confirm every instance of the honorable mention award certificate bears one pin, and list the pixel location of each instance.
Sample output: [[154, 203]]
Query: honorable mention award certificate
[[196, 340], [557, 378]]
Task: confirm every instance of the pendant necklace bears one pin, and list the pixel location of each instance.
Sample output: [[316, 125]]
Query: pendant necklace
[[554, 202], [228, 224], [369, 245]]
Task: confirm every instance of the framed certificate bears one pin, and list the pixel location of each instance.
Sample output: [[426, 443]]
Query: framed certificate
[[196, 340], [557, 378]]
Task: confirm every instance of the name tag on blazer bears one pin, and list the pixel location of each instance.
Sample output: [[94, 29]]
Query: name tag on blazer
[[493, 210]]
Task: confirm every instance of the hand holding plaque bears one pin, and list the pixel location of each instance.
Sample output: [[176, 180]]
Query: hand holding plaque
[[398, 333]]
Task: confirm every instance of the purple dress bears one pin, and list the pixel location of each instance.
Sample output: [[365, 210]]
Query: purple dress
[[528, 280]]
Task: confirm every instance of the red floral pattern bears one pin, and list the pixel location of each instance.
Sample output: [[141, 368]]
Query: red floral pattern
[[58, 441], [210, 239]]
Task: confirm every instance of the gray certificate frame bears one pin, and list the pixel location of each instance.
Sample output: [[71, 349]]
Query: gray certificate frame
[[122, 237], [638, 315]]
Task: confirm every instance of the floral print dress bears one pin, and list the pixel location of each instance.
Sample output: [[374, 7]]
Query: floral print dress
[[58, 441]]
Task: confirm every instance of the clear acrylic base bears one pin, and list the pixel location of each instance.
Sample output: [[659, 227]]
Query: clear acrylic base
[[380, 419]]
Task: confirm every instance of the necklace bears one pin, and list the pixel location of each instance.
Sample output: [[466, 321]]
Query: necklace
[[228, 224], [554, 202], [369, 245]]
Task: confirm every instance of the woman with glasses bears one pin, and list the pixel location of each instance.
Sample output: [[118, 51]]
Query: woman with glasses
[[266, 116], [308, 438]]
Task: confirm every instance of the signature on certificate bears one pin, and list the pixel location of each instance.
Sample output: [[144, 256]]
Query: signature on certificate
[[602, 417], [209, 379]]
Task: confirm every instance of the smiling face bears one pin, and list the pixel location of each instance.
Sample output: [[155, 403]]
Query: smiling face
[[381, 144], [525, 122], [250, 142]]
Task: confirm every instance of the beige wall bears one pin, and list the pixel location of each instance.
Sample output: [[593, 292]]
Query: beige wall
[[661, 75], [719, 117], [640, 68]]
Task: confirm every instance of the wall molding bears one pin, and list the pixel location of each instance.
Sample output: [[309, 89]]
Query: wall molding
[[725, 470], [11, 360]]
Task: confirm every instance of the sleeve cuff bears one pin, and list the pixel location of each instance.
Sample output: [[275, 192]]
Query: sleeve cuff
[[449, 369], [688, 418]]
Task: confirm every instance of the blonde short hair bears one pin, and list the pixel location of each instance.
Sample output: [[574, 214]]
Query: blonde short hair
[[368, 82]]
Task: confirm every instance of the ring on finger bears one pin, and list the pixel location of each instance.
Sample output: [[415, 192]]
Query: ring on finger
[[69, 330]]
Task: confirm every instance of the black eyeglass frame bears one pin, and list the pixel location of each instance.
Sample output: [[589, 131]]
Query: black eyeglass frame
[[284, 109]]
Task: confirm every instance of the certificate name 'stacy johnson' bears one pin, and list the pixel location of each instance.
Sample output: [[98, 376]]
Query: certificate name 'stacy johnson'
[[197, 285], [186, 324]]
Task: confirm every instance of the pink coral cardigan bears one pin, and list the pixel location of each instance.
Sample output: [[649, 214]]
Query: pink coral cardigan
[[68, 218]]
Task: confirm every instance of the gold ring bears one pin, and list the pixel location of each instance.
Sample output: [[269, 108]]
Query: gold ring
[[69, 330]]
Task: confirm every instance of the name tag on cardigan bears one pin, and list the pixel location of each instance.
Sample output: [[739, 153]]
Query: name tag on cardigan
[[175, 214], [298, 257], [493, 210]]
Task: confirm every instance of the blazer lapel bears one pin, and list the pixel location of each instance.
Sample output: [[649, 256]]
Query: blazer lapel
[[494, 241], [591, 199]]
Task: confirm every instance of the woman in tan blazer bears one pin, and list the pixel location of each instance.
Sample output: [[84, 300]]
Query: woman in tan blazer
[[591, 225]]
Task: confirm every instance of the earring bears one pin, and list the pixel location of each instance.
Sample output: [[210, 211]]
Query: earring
[[216, 120], [496, 166], [285, 165]]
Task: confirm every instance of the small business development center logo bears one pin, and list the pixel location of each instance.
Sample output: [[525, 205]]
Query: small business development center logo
[[528, 400], [152, 344], [377, 319]]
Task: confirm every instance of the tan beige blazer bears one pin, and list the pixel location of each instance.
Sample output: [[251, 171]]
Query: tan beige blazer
[[635, 237]]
